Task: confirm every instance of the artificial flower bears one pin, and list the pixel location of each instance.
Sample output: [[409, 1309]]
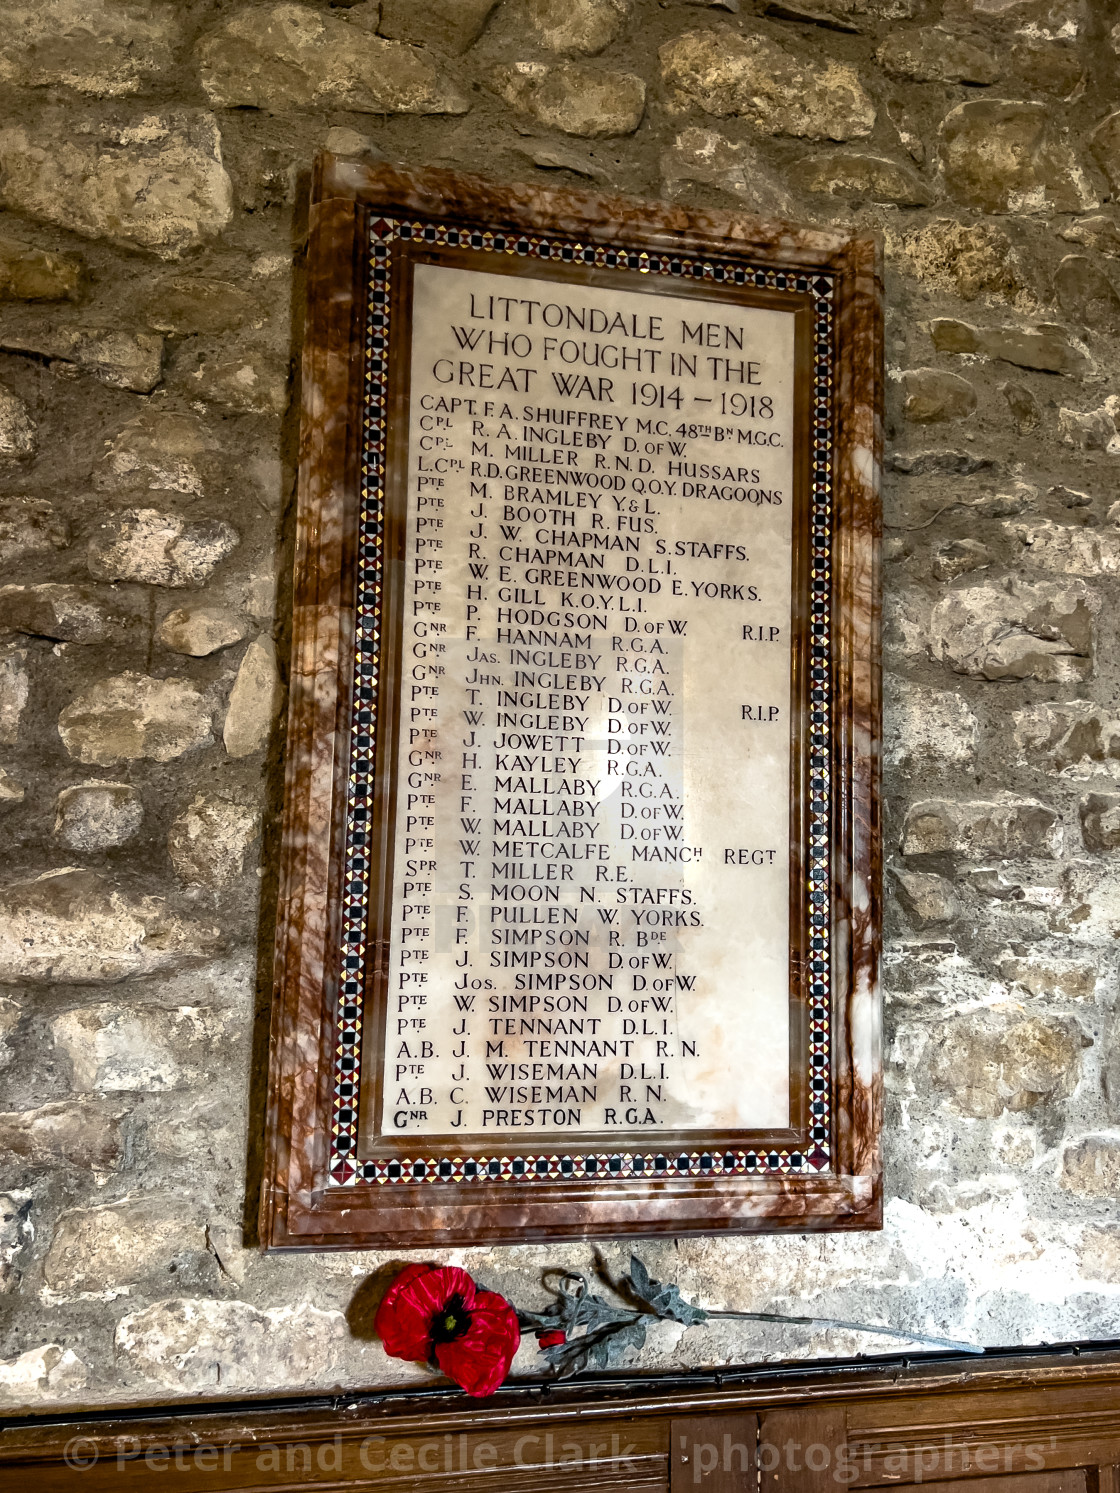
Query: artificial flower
[[437, 1313]]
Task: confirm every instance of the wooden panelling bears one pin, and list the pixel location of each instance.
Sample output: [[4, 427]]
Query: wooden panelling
[[800, 1449], [1043, 1423], [1040, 1482], [712, 1453]]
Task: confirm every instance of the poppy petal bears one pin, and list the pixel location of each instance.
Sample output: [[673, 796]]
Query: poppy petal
[[419, 1292], [403, 1320], [479, 1360]]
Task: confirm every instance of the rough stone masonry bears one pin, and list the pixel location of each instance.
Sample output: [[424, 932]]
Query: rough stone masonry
[[152, 159]]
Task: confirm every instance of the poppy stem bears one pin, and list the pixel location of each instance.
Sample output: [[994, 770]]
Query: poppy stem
[[903, 1332]]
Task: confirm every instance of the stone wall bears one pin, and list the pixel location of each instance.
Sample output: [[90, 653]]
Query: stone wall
[[152, 160]]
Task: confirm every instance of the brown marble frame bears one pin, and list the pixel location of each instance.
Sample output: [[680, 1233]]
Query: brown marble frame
[[301, 1207]]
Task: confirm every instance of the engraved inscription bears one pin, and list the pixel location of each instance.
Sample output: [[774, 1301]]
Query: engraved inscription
[[590, 918]]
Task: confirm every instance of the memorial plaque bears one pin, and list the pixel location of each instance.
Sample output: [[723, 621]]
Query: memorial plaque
[[578, 922]]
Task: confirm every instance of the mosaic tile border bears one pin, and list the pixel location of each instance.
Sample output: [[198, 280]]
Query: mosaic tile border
[[345, 1168]]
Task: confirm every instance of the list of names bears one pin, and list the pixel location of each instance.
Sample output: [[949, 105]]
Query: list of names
[[590, 926]]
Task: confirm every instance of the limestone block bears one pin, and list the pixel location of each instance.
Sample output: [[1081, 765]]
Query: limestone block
[[178, 1342], [225, 1238], [1066, 734], [906, 625], [1100, 821], [254, 700], [925, 728], [1110, 1068], [1073, 497], [18, 435], [73, 927], [68, 614], [1086, 294], [1100, 1254], [849, 174], [209, 840], [366, 14], [123, 360], [1104, 143], [1007, 828], [939, 462], [1091, 430], [1049, 19], [158, 185], [1091, 1167], [297, 57], [579, 98], [911, 133], [931, 395], [200, 631], [576, 26], [44, 1372], [989, 1063], [851, 10], [1101, 233], [30, 526], [159, 548], [77, 1132], [1046, 349], [253, 377], [130, 1049], [118, 1244], [341, 141], [95, 46], [160, 451], [191, 306], [1004, 156], [15, 686], [1018, 630], [967, 259], [259, 594], [98, 816], [12, 791], [960, 557], [15, 1232], [705, 158], [1023, 405], [450, 25], [197, 1128], [934, 55], [10, 1014], [779, 90], [131, 715], [1045, 975], [1090, 908], [1067, 549], [926, 899], [28, 274]]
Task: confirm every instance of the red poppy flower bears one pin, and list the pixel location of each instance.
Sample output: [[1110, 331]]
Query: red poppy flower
[[551, 1339], [437, 1313]]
